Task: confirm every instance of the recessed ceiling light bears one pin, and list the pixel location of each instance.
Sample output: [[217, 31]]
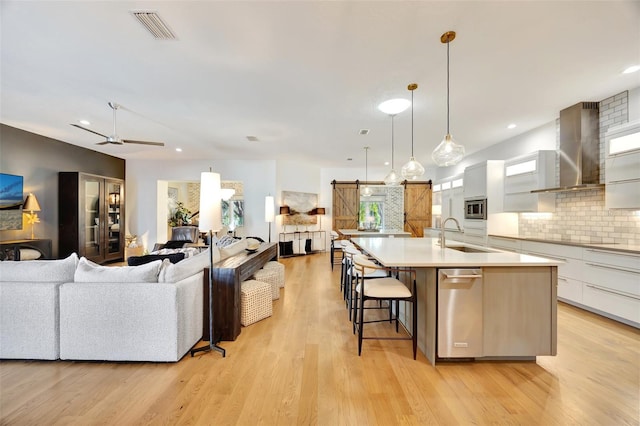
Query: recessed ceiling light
[[631, 69], [178, 149], [252, 138], [386, 163], [349, 159], [363, 131], [85, 122], [394, 106], [511, 126]]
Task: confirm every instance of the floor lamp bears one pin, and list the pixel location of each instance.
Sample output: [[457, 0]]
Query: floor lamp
[[210, 221], [269, 212]]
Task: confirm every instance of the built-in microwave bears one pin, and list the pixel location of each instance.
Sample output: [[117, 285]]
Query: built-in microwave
[[475, 209]]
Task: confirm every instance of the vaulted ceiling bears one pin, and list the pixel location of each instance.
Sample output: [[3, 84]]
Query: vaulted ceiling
[[304, 77]]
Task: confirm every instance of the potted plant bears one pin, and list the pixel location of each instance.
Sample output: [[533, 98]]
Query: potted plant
[[180, 215]]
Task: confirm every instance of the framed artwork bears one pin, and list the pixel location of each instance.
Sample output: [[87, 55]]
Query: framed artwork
[[10, 202], [301, 204]]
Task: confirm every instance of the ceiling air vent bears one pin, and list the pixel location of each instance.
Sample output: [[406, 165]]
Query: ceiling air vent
[[155, 25], [252, 138], [363, 132]]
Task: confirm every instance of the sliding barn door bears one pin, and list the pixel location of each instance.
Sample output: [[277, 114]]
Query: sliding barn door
[[346, 205], [417, 207]]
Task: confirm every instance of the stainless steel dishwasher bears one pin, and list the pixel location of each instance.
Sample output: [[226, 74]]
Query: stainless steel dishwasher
[[460, 313]]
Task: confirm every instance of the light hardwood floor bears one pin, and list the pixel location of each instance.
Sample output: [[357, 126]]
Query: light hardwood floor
[[301, 367]]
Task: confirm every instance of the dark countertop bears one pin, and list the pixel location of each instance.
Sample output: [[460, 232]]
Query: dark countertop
[[627, 248]]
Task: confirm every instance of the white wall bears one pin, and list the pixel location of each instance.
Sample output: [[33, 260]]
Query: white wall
[[634, 104], [142, 218]]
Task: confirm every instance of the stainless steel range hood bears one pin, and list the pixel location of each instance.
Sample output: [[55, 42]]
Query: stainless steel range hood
[[579, 154]]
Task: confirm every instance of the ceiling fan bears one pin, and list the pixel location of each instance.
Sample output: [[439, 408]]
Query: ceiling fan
[[114, 138]]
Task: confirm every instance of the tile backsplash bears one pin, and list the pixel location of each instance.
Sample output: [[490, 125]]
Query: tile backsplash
[[581, 216]]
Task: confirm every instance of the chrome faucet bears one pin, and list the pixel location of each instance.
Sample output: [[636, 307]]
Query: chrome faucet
[[442, 239]]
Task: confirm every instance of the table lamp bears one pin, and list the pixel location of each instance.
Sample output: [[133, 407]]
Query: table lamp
[[321, 212], [31, 204]]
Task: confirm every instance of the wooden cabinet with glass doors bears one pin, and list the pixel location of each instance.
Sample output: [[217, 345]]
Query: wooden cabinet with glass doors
[[91, 216]]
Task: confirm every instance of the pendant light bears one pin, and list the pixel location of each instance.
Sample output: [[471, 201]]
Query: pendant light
[[393, 107], [413, 169], [448, 152], [366, 191]]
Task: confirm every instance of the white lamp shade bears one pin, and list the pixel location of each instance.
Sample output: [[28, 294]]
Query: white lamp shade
[[210, 197], [269, 209]]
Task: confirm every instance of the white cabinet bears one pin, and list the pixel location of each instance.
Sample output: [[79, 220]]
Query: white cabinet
[[612, 283], [510, 244], [569, 273], [622, 167], [448, 193], [602, 281], [475, 232], [528, 173]]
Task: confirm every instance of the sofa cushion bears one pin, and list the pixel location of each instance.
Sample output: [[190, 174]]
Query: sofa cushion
[[61, 270], [175, 244], [29, 254], [89, 272], [141, 260], [174, 272], [233, 249]]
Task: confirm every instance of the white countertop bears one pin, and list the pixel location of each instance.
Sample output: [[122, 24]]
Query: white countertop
[[424, 252], [373, 234]]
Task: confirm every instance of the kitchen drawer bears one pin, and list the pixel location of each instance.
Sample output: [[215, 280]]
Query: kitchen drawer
[[480, 240], [613, 258], [505, 243], [603, 299], [614, 278], [559, 251], [571, 268], [570, 289]]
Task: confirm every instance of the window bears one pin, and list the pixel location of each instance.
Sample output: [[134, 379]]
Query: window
[[371, 214], [233, 213]]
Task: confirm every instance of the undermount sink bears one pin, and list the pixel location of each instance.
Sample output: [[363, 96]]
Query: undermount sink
[[466, 249]]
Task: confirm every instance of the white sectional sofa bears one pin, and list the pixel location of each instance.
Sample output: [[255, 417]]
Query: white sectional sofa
[[77, 310]]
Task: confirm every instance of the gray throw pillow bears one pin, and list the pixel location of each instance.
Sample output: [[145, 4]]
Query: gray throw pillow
[[89, 272]]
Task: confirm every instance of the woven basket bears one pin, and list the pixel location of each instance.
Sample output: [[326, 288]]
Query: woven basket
[[255, 301], [272, 278], [276, 266]]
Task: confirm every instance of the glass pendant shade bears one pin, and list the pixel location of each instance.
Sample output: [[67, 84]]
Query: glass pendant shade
[[366, 191], [392, 178], [448, 152], [412, 170]]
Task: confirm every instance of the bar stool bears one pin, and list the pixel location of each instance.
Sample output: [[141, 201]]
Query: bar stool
[[334, 238], [353, 274], [388, 288]]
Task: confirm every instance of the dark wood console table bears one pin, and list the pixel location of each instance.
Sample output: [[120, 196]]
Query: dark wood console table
[[228, 275], [10, 250]]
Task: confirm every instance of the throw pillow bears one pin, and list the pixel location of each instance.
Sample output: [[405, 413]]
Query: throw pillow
[[174, 244], [29, 254], [286, 248], [172, 273], [89, 272], [307, 245], [233, 249], [40, 270], [141, 260]]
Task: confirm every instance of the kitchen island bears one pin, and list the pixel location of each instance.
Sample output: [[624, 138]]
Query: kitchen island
[[518, 309]]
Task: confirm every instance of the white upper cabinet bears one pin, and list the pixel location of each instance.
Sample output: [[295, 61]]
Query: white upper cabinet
[[622, 167], [528, 173], [448, 199], [485, 180]]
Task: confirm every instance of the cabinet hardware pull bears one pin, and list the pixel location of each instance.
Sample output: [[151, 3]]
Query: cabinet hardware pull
[[635, 256], [625, 180], [630, 296], [461, 276], [562, 279], [612, 268]]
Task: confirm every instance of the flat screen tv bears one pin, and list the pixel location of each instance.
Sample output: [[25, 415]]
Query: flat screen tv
[[10, 202]]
